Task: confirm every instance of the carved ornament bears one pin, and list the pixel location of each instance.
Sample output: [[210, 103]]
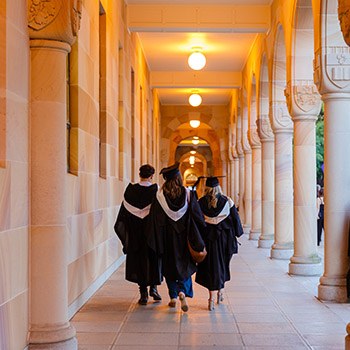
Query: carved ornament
[[77, 6], [281, 119], [56, 20], [344, 19], [254, 138], [264, 128], [42, 12], [239, 148], [332, 57]]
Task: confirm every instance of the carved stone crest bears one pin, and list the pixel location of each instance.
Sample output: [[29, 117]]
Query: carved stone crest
[[42, 12], [344, 18], [281, 119], [306, 97], [76, 6], [254, 138], [264, 128]]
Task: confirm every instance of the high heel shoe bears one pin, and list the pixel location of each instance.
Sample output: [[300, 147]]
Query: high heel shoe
[[210, 304], [220, 297]]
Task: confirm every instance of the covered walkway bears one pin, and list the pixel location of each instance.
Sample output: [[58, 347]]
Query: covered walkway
[[264, 308]]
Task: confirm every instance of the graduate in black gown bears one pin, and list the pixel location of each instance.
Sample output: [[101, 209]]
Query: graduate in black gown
[[142, 265], [220, 236], [171, 213]]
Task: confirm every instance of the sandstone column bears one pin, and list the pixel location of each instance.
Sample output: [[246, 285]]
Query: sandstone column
[[256, 184], [236, 179], [52, 28], [267, 179], [344, 15], [332, 76], [282, 126], [232, 179], [304, 104], [247, 173], [241, 168]]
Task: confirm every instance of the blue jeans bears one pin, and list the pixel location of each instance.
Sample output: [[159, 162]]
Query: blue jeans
[[175, 287]]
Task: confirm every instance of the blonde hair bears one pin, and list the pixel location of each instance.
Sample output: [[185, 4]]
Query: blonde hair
[[172, 188], [212, 194]]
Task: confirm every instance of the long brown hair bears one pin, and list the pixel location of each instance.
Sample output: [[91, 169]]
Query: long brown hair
[[173, 187], [212, 194]]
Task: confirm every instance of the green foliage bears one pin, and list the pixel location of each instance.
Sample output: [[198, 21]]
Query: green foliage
[[319, 146]]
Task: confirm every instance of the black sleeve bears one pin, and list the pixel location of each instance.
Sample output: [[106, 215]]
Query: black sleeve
[[195, 225], [120, 228], [154, 229], [237, 225]]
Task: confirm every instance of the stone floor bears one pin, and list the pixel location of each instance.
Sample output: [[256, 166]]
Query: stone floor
[[264, 308]]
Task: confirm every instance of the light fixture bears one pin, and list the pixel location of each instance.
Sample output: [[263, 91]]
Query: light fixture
[[195, 142], [195, 123], [193, 152], [192, 160], [196, 137], [195, 99], [197, 60]]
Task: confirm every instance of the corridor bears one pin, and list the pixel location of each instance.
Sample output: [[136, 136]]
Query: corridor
[[264, 308]]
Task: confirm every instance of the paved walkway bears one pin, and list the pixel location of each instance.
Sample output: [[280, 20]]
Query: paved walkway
[[264, 308]]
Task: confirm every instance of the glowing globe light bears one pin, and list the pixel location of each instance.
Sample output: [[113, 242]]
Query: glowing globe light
[[195, 123], [195, 100], [193, 152], [197, 60], [195, 142]]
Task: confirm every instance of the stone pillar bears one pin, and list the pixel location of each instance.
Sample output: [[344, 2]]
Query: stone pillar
[[332, 72], [236, 179], [255, 144], [241, 169], [282, 126], [247, 174], [304, 105], [231, 181], [267, 179], [52, 30], [247, 191], [337, 196], [344, 15]]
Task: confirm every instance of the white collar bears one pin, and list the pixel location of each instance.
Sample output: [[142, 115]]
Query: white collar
[[140, 213], [145, 183], [225, 212], [174, 215]]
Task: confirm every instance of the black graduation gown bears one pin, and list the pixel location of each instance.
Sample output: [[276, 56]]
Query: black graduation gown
[[142, 265], [168, 232], [223, 226]]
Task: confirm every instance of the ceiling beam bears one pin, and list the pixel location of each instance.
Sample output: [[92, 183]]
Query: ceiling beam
[[226, 80], [203, 18]]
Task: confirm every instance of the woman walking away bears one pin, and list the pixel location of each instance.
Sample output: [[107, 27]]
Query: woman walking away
[[168, 234], [223, 226]]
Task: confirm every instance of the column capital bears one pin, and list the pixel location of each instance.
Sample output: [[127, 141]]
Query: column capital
[[57, 20], [239, 148], [254, 138], [264, 128], [344, 19], [332, 56], [281, 120], [234, 151], [303, 99]]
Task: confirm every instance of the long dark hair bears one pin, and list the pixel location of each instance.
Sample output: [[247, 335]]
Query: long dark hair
[[173, 187]]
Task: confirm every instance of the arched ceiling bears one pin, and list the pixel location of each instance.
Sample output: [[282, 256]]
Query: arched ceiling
[[226, 30]]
